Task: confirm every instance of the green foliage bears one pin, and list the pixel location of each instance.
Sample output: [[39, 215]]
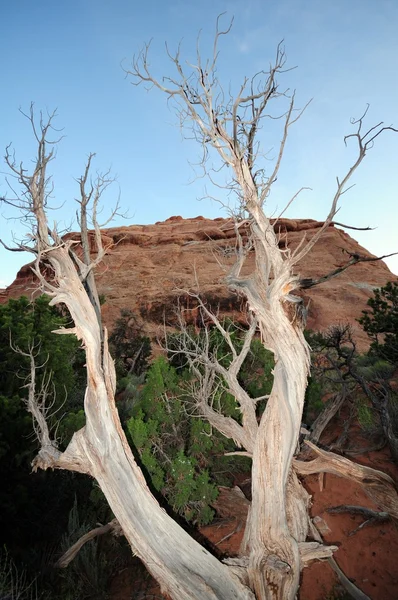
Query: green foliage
[[72, 422], [364, 381], [26, 500], [366, 416], [255, 375], [24, 323], [167, 441], [16, 425], [381, 322], [372, 368], [192, 492], [183, 456], [130, 349]]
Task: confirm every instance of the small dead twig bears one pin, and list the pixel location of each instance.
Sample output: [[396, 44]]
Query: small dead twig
[[226, 537], [372, 516]]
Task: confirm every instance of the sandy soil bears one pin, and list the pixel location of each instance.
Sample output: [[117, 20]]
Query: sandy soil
[[368, 557]]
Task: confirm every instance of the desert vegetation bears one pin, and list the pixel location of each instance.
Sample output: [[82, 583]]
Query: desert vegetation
[[219, 400], [184, 461]]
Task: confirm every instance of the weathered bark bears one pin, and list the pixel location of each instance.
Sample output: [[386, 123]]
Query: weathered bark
[[184, 569], [278, 517], [274, 548], [274, 556], [378, 485]]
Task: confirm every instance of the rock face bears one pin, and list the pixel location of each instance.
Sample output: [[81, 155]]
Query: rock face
[[148, 267]]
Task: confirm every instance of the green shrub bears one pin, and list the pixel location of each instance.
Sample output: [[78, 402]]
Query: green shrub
[[171, 446], [27, 501], [313, 403], [381, 322], [366, 416]]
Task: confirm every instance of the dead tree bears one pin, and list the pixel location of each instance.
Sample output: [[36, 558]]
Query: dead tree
[[184, 569], [227, 125], [275, 546]]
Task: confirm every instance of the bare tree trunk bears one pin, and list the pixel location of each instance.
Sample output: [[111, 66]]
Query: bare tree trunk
[[183, 568], [274, 559], [274, 548], [274, 555], [278, 520]]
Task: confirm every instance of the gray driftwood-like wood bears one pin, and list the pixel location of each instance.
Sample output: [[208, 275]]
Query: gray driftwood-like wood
[[184, 569], [278, 524], [275, 546]]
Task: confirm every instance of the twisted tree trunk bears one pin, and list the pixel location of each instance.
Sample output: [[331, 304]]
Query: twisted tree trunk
[[273, 545], [183, 568], [278, 518], [274, 548]]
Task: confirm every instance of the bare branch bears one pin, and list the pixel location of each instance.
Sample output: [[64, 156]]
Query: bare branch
[[211, 376], [90, 196], [351, 588], [111, 527], [310, 551], [290, 202], [39, 404], [377, 485], [352, 227], [364, 143], [371, 516], [354, 259], [101, 447]]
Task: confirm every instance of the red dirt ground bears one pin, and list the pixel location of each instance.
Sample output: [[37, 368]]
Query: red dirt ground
[[368, 558]]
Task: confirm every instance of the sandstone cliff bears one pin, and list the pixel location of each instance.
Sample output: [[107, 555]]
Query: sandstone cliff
[[147, 266]]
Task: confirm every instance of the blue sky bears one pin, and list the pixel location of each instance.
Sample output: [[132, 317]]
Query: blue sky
[[66, 54]]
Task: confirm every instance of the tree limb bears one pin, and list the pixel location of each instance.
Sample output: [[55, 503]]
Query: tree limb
[[364, 144], [378, 486], [111, 527], [305, 284], [49, 456]]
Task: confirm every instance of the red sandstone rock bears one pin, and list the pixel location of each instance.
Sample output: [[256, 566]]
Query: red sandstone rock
[[147, 266]]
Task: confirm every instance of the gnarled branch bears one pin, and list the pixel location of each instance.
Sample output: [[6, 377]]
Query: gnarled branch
[[378, 486]]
